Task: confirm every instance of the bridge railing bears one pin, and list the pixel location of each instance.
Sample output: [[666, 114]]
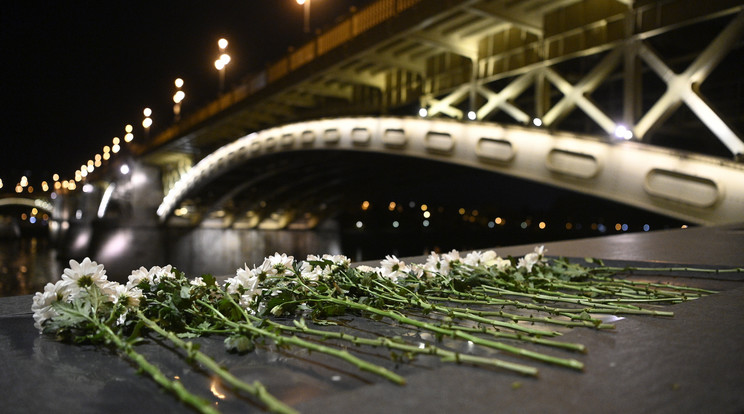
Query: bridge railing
[[358, 23]]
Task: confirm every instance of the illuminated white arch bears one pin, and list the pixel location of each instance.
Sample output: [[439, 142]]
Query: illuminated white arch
[[38, 203], [694, 188]]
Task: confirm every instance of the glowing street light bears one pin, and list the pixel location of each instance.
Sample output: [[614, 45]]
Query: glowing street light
[[129, 136], [221, 63], [147, 122], [177, 99], [306, 7]]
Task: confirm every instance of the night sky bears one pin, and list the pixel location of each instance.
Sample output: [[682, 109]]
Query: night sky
[[74, 73]]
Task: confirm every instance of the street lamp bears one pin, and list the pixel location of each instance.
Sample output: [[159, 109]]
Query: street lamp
[[177, 99], [221, 62], [306, 6], [147, 122]]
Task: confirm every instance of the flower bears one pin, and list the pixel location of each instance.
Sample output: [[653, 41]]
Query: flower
[[153, 276], [42, 303], [247, 281], [80, 276], [478, 258], [393, 268], [198, 281], [531, 259]]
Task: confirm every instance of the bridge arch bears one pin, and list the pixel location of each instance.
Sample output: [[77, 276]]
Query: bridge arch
[[694, 188], [39, 203]]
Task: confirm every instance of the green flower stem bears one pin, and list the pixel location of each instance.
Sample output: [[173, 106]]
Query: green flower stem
[[381, 341], [454, 333], [256, 389], [613, 308], [458, 313], [664, 286], [293, 340], [593, 323], [615, 270], [200, 404]]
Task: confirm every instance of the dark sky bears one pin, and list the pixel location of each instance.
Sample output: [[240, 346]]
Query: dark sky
[[74, 73]]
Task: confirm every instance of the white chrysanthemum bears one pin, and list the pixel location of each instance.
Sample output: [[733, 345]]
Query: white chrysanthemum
[[338, 260], [125, 295], [80, 276], [153, 276], [277, 265], [434, 265], [313, 273], [248, 280], [502, 264], [42, 303], [198, 281], [531, 259], [418, 271], [368, 269], [160, 273], [393, 268], [478, 258]]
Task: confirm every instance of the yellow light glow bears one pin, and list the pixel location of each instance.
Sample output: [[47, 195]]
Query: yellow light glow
[[218, 64], [179, 96], [498, 220], [30, 189], [427, 214], [222, 43], [365, 205], [147, 111], [569, 226], [24, 216], [19, 189], [461, 211], [618, 226], [115, 148], [424, 207], [72, 186], [115, 141], [1, 183], [97, 164], [542, 225], [89, 163], [128, 129], [106, 149], [34, 211], [178, 82], [97, 157], [55, 177], [58, 185], [65, 184], [44, 186], [24, 181], [300, 2], [147, 122], [106, 156], [128, 137], [391, 206]]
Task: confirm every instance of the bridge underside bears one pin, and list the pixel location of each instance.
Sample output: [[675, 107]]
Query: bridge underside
[[296, 175]]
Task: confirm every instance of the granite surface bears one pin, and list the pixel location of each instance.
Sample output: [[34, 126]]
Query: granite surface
[[690, 363]]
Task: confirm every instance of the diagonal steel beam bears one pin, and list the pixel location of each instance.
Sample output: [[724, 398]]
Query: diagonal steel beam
[[577, 95], [500, 100], [685, 87]]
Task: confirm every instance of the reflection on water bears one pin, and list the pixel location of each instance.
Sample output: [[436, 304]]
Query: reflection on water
[[26, 265]]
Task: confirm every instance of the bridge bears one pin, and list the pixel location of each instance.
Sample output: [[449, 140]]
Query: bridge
[[637, 102]]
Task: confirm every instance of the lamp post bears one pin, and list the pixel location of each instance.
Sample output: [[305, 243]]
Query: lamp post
[[147, 122], [177, 99], [221, 62], [306, 6]]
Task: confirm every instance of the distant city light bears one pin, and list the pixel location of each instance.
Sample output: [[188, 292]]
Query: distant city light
[[472, 115], [88, 188], [365, 205], [537, 122], [124, 169], [359, 224], [396, 224], [423, 112]]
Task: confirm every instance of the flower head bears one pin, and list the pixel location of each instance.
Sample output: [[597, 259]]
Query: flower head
[[393, 268], [79, 276], [42, 303]]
